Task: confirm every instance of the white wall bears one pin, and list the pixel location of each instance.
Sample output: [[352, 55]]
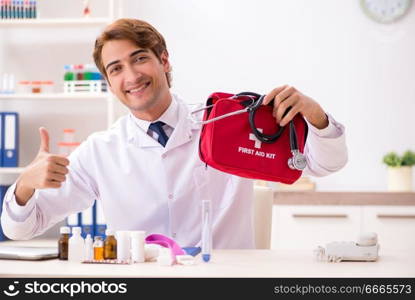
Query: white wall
[[359, 71]]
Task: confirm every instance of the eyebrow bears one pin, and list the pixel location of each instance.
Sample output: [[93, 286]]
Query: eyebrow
[[131, 55]]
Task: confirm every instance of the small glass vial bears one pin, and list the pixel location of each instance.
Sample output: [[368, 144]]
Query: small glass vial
[[24, 87], [68, 135], [36, 87], [98, 248], [68, 145], [63, 242], [47, 86], [110, 245]]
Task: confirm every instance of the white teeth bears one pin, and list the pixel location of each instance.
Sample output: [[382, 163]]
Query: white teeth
[[138, 89]]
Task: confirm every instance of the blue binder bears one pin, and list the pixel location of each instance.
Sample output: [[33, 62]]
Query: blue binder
[[10, 139]]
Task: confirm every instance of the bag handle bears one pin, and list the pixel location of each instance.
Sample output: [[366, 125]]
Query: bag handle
[[251, 107], [247, 104]]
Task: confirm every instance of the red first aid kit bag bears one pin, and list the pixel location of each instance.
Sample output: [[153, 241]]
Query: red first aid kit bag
[[240, 136]]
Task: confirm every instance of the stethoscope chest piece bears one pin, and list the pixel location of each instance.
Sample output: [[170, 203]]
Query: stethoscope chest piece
[[298, 161]]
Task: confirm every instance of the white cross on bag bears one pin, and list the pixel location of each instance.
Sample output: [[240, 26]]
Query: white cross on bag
[[252, 137]]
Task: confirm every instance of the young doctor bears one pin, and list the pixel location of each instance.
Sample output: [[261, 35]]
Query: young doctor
[[145, 170]]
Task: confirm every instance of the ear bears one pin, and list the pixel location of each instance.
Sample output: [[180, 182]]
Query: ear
[[165, 61], [110, 87]]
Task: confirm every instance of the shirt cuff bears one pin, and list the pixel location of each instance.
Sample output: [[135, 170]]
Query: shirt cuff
[[333, 130], [18, 212]]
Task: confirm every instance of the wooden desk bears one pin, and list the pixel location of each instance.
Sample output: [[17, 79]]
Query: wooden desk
[[225, 263]]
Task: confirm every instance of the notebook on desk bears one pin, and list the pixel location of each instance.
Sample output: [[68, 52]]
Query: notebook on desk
[[28, 253]]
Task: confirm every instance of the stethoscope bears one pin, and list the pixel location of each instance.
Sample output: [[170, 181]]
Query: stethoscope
[[296, 162]]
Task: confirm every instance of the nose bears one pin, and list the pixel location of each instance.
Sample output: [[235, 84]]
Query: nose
[[131, 75]]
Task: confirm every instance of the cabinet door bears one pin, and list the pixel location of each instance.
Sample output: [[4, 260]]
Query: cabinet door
[[395, 225], [306, 227]]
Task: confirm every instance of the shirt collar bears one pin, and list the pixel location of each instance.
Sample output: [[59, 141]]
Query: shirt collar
[[169, 117]]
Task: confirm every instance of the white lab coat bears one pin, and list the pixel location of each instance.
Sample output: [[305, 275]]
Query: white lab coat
[[143, 186]]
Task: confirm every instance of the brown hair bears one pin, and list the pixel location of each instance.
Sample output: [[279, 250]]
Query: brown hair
[[139, 32]]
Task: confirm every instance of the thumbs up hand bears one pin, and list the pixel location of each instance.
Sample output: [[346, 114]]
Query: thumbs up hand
[[47, 170], [44, 140]]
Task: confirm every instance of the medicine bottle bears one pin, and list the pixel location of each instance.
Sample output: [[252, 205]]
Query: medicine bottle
[[110, 245], [137, 246], [79, 72], [68, 135], [76, 246], [36, 87], [69, 75], [88, 71], [47, 86], [63, 242], [123, 245], [98, 248], [89, 248], [67, 145], [24, 87]]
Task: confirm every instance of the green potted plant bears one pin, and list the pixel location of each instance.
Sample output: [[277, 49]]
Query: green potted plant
[[400, 170]]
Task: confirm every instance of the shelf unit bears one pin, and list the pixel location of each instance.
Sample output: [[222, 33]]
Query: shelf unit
[[110, 101], [38, 24], [54, 96], [11, 170], [55, 22]]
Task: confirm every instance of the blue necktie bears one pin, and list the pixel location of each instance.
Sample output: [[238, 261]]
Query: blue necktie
[[157, 127]]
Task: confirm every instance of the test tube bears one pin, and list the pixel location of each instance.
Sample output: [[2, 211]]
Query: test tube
[[206, 230]]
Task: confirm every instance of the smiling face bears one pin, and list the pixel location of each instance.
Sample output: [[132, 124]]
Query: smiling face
[[137, 77]]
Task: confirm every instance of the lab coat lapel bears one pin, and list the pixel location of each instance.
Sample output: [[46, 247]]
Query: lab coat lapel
[[138, 137], [185, 130], [145, 141]]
